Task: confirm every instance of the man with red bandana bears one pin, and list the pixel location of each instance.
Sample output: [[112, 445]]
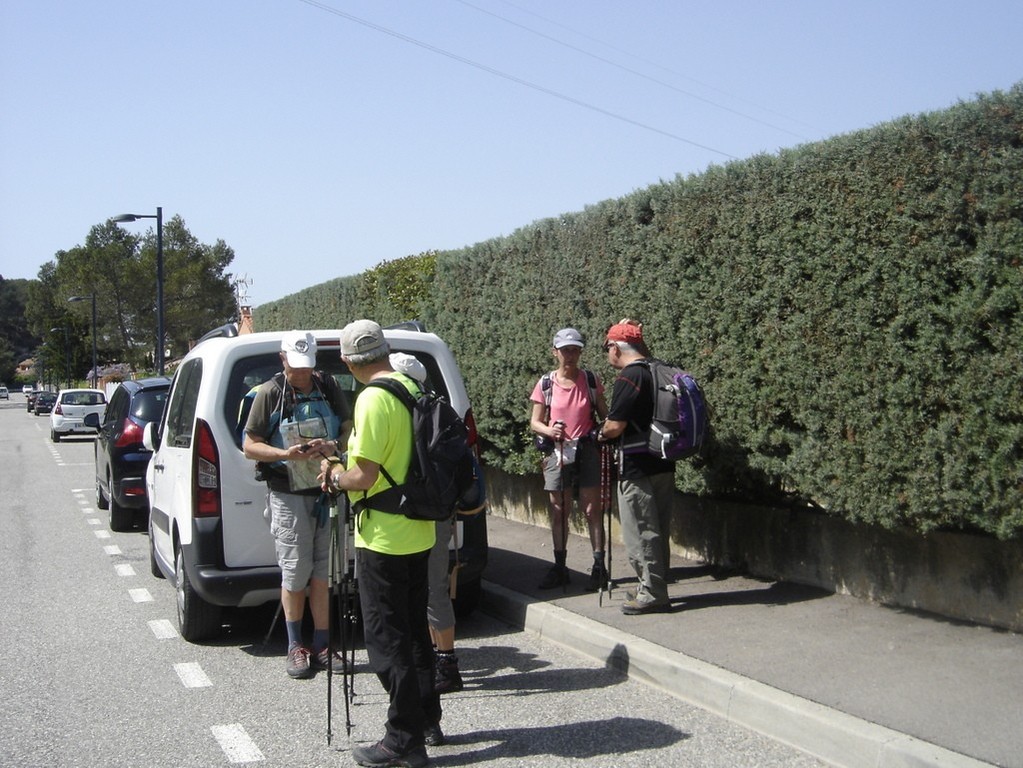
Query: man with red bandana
[[646, 483]]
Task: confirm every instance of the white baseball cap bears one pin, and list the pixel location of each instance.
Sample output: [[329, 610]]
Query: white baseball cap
[[299, 348]]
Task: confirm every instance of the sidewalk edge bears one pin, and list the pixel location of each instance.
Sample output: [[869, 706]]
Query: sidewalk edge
[[826, 733]]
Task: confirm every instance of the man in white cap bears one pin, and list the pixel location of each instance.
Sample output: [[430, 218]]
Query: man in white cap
[[440, 612], [297, 417]]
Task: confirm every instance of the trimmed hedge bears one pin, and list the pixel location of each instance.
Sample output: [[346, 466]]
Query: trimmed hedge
[[851, 307]]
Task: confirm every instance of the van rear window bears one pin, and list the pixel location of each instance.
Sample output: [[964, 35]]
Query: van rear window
[[249, 372]]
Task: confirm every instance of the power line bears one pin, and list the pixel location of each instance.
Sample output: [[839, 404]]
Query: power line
[[661, 67], [624, 68], [512, 78]]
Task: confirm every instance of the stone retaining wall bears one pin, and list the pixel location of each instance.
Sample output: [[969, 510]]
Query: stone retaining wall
[[959, 576]]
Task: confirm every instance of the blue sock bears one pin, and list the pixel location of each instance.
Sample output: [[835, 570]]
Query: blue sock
[[294, 633], [320, 639]]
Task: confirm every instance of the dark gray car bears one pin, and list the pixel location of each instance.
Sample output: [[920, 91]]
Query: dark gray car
[[121, 458]]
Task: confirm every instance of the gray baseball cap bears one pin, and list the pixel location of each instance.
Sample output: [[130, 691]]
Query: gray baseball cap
[[568, 337], [361, 337]]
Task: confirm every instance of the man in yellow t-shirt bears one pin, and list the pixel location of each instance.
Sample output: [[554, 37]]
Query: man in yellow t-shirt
[[392, 554]]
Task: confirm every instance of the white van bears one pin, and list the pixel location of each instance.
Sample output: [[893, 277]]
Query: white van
[[206, 525]]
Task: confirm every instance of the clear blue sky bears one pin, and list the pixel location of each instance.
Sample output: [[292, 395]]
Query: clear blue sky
[[320, 138]]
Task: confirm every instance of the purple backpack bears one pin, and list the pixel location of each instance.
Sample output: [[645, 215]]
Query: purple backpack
[[679, 426]]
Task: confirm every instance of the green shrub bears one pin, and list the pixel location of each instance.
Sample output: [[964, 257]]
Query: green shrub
[[851, 307]]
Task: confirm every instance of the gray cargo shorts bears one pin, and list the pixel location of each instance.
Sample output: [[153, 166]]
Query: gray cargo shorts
[[302, 545]]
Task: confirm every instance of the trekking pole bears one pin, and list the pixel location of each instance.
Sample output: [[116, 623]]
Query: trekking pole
[[565, 501], [339, 581], [346, 601], [605, 508], [331, 616]]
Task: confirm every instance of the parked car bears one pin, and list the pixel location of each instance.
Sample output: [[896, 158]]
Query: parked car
[[4, 394], [206, 526], [30, 398], [25, 390], [121, 456], [43, 402], [69, 412]]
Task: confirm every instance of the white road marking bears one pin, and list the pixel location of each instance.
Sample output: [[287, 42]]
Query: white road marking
[[140, 595], [124, 569], [236, 743], [93, 521], [102, 534], [163, 629], [192, 676], [112, 549]]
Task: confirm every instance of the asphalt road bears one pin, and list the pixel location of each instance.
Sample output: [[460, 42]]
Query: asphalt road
[[94, 673]]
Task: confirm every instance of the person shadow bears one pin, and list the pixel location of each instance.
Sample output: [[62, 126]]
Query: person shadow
[[583, 740]]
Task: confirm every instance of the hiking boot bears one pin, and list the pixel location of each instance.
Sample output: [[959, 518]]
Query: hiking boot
[[434, 736], [325, 656], [557, 576], [446, 678], [598, 578], [637, 607], [379, 755], [298, 663]]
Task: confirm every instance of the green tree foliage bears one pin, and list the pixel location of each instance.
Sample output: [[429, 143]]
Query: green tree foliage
[[119, 268], [16, 340], [852, 308]]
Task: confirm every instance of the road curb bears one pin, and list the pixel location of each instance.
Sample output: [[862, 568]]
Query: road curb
[[825, 733]]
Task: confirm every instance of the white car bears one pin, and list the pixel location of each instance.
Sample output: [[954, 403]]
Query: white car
[[69, 412], [206, 526], [4, 394]]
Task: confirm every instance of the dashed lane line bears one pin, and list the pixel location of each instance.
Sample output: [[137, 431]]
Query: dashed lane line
[[162, 629], [236, 743], [192, 676]]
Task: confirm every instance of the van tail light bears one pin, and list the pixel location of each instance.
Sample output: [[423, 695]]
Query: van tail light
[[131, 434], [206, 472], [470, 425]]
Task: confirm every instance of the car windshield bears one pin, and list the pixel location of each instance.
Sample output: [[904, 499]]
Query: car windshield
[[148, 405]]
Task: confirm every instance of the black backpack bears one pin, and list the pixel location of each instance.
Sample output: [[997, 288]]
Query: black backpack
[[441, 472]]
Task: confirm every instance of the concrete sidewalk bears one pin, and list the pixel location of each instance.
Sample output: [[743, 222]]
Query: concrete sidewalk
[[850, 682]]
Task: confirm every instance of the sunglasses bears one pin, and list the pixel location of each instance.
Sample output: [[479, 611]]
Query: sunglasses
[[608, 345]]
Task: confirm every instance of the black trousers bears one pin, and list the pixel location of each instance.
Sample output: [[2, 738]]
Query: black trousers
[[393, 593]]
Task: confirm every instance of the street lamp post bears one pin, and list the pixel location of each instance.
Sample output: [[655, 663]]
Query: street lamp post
[[91, 297], [67, 353], [129, 217]]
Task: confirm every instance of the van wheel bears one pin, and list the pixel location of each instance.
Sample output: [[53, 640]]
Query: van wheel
[[197, 619], [121, 519]]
